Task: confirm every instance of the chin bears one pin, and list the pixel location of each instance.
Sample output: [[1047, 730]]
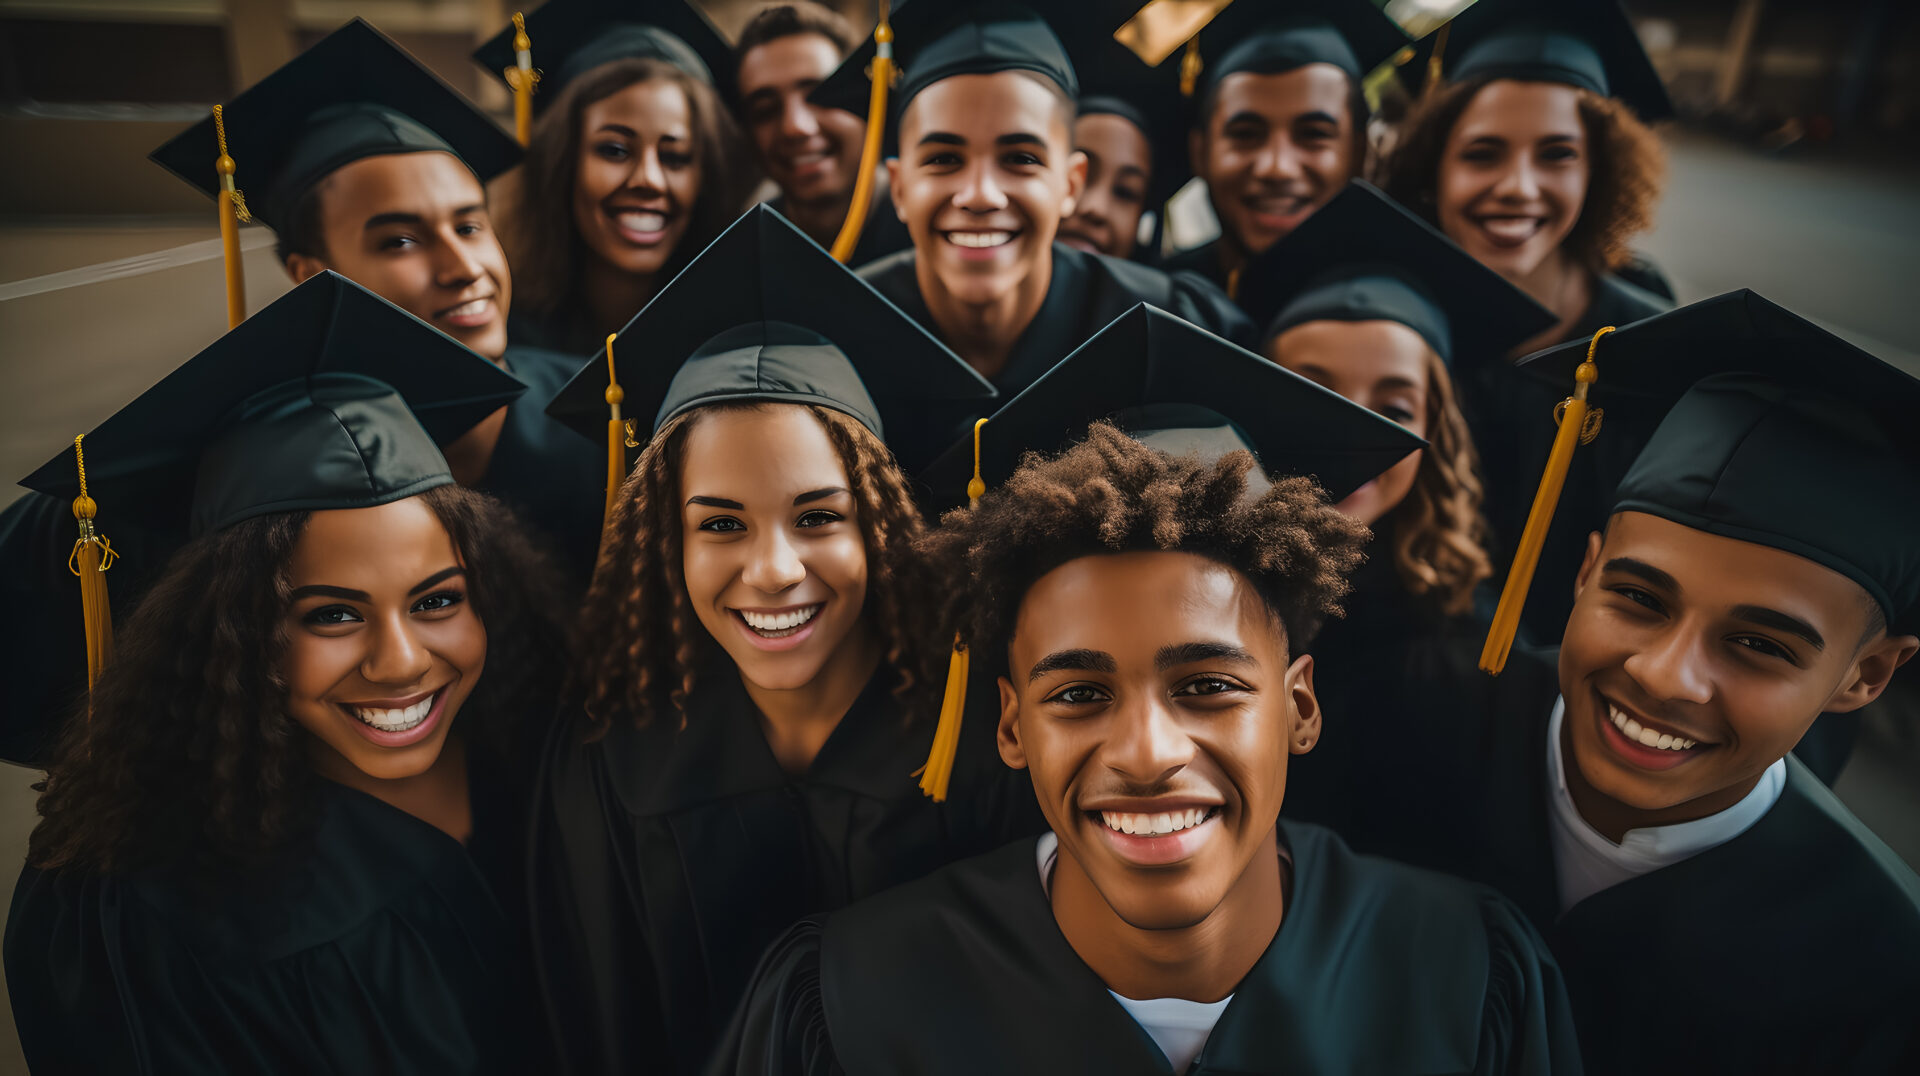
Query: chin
[[1162, 907]]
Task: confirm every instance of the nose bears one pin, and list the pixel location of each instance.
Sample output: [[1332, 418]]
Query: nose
[[395, 654], [1147, 744], [648, 175], [979, 193], [1518, 183], [796, 119], [1278, 161], [1094, 206], [773, 565], [1672, 667], [458, 264]]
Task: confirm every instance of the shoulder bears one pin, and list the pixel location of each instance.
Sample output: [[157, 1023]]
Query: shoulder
[[888, 940], [1851, 858], [1402, 905], [1617, 302]]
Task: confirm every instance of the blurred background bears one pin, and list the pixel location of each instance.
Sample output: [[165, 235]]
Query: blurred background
[[1794, 170]]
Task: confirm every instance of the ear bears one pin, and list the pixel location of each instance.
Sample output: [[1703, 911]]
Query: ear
[[1076, 183], [1197, 152], [893, 188], [1306, 706], [1011, 753], [302, 267], [1871, 671], [1588, 563]]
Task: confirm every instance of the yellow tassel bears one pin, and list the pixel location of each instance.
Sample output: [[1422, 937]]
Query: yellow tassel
[[1439, 50], [522, 78], [938, 772], [91, 557], [882, 76], [1577, 425], [233, 210], [1190, 67], [619, 433]]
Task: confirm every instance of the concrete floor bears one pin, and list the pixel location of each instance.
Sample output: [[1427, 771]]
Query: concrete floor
[[1829, 238]]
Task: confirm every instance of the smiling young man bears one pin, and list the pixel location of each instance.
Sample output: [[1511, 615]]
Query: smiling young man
[[1144, 614], [364, 162], [1642, 805], [1282, 122], [985, 173]]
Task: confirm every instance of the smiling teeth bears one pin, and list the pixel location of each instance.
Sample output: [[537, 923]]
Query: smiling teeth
[[641, 221], [1510, 227], [395, 720], [1155, 825], [464, 309], [768, 623], [980, 240], [1646, 737]]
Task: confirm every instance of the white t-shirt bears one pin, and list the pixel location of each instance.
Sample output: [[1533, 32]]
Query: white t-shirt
[[1585, 861], [1179, 1026]]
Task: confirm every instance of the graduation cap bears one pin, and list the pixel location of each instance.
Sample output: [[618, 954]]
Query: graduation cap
[[1115, 81], [1769, 430], [572, 37], [1590, 44], [1364, 257], [355, 94], [1267, 39], [331, 397]]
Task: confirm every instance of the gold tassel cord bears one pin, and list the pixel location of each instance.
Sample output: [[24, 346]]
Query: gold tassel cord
[[937, 774], [882, 76], [1190, 67], [233, 211], [1578, 426], [1439, 51], [91, 557], [522, 78], [619, 433]]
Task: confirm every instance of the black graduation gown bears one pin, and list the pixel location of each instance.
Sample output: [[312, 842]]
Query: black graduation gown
[[884, 233], [374, 945], [664, 859], [1377, 968], [554, 479], [1203, 261], [1793, 948]]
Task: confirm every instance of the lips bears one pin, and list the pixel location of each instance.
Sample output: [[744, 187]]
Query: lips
[[1644, 743], [1278, 213], [1157, 838], [780, 624], [468, 315], [641, 227], [980, 240], [1509, 230], [397, 722]]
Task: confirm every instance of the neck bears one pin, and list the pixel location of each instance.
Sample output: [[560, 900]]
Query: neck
[[470, 454], [1205, 961], [797, 721], [613, 296], [1563, 286], [822, 218], [1612, 819], [436, 796], [984, 333]]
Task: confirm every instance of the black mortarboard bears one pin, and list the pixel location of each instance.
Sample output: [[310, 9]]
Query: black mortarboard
[[1365, 258], [1590, 44], [1182, 389], [1773, 431], [938, 39], [572, 37], [1267, 39], [355, 94], [765, 314], [331, 397]]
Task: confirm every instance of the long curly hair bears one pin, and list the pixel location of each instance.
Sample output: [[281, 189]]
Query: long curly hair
[[545, 247], [1438, 532], [1628, 169], [641, 647], [1113, 494], [188, 753]]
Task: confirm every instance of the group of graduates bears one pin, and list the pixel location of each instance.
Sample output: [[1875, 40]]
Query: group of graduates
[[993, 644]]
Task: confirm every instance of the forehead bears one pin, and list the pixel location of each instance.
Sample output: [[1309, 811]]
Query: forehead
[[1715, 572], [1373, 350], [401, 541], [764, 454], [783, 61], [649, 105], [417, 183], [1315, 87], [1116, 140], [1131, 605], [981, 108], [1512, 108]]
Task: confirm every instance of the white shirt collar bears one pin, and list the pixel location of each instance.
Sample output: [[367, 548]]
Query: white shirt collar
[[1585, 862]]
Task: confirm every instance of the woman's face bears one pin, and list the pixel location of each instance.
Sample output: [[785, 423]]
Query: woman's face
[[638, 177], [1514, 174], [1384, 367], [383, 645], [775, 560]]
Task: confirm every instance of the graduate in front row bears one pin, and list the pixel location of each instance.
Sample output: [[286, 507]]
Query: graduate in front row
[[288, 835], [1716, 909], [1145, 615], [759, 677], [985, 172]]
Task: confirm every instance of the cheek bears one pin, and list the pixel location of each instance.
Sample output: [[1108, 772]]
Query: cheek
[[841, 563], [707, 569], [684, 184], [1568, 190], [461, 640], [313, 665]]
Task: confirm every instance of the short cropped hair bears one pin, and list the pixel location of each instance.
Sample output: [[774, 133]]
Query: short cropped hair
[[793, 19]]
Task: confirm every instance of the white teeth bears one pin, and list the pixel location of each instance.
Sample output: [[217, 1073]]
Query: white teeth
[[642, 221], [784, 621], [1155, 825], [1634, 730], [980, 240], [464, 309], [1511, 227], [399, 720]]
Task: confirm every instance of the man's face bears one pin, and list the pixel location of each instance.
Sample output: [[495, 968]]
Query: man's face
[[1693, 661], [1274, 149], [1106, 218], [413, 229], [811, 153], [985, 173], [1151, 697]]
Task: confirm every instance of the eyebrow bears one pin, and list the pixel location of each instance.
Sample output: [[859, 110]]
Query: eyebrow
[[1779, 621], [715, 502], [1317, 116], [1079, 660], [818, 494], [941, 138], [805, 498], [1188, 653], [1644, 571], [1019, 138], [381, 220], [323, 590]]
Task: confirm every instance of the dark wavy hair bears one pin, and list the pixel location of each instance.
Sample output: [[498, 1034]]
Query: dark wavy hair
[[1113, 494], [1439, 532], [641, 648], [1627, 170], [188, 752]]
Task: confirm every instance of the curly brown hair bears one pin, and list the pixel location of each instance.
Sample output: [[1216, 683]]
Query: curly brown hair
[[189, 754], [1113, 494], [543, 245], [641, 647], [1628, 169], [1439, 533]]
